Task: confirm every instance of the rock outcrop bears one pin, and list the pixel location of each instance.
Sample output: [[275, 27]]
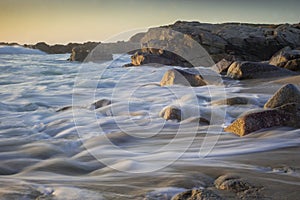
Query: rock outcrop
[[53, 49], [288, 93], [250, 70], [222, 66], [287, 58], [182, 77], [286, 115]]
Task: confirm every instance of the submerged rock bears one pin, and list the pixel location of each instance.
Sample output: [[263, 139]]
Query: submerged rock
[[101, 103], [197, 194], [288, 93], [286, 115], [182, 77], [251, 70], [287, 58]]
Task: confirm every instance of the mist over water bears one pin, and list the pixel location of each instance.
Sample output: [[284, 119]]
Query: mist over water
[[122, 150]]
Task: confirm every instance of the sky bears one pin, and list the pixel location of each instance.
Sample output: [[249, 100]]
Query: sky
[[64, 21]]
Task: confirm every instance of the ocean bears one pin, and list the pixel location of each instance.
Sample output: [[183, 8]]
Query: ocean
[[54, 144]]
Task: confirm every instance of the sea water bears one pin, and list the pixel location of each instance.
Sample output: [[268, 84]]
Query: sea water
[[124, 150]]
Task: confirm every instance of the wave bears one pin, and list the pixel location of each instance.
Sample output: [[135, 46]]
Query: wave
[[19, 50]]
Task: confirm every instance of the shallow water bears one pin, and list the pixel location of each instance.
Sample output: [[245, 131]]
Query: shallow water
[[120, 151]]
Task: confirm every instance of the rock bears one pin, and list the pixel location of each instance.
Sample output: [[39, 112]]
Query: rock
[[251, 70], [232, 101], [101, 103], [240, 186], [232, 183], [197, 194], [98, 52], [182, 77], [158, 57], [222, 66], [287, 58], [286, 115], [288, 93], [171, 113]]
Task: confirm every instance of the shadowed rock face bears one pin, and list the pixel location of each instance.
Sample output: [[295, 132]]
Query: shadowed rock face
[[286, 115], [182, 77], [251, 70], [286, 94]]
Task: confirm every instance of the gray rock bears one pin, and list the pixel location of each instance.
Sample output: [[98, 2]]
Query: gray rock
[[251, 70], [197, 194], [288, 93], [101, 103], [182, 77]]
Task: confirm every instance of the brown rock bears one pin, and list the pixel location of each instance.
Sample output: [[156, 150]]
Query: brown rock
[[251, 70], [171, 113], [232, 101], [232, 183], [182, 77], [288, 93], [287, 58], [286, 115], [197, 194], [222, 66]]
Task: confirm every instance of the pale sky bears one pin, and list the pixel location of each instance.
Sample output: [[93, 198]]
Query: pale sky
[[64, 21]]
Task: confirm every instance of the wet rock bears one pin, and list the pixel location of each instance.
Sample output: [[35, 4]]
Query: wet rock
[[197, 194], [182, 77], [222, 66], [232, 183], [171, 113], [101, 103], [287, 58], [286, 115], [288, 93], [240, 186], [232, 101], [252, 70]]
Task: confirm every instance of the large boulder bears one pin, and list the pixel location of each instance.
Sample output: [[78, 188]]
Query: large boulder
[[197, 194], [287, 58], [288, 93], [158, 57], [286, 115], [182, 77], [250, 70]]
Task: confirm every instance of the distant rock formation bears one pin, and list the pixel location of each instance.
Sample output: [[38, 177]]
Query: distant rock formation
[[287, 58], [230, 41], [95, 52]]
